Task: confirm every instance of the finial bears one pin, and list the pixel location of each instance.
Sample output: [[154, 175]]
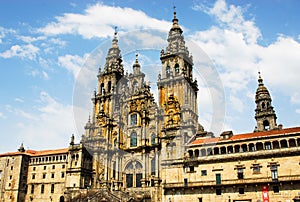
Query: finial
[[136, 57], [89, 118], [72, 140], [116, 30], [174, 8], [260, 80]]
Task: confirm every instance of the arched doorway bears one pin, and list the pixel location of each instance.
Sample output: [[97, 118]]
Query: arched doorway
[[62, 199]]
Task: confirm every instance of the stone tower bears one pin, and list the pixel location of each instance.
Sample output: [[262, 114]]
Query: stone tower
[[264, 113], [177, 94]]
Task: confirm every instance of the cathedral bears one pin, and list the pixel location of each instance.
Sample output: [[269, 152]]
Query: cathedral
[[137, 149]]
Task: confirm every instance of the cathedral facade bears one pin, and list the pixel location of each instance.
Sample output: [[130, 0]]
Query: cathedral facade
[[136, 149]]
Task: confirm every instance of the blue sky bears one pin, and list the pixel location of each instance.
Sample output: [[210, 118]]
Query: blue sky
[[44, 46]]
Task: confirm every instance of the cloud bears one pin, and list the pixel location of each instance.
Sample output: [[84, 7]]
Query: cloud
[[4, 32], [98, 21], [2, 116], [73, 63], [52, 125], [27, 51], [19, 100], [233, 44]]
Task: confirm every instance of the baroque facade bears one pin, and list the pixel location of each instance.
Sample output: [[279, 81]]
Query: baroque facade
[[135, 149]]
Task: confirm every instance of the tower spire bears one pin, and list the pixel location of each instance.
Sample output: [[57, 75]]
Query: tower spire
[[264, 113]]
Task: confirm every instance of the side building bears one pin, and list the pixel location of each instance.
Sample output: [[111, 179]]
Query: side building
[[46, 175], [260, 166]]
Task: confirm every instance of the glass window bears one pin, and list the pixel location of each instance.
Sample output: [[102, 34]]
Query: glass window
[[240, 173], [133, 119], [274, 172], [203, 172], [42, 189], [241, 190], [133, 139], [32, 189], [153, 138], [177, 69], [138, 180], [218, 178], [52, 188], [129, 179], [218, 191]]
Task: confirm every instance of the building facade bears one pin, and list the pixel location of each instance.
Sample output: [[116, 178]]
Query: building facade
[[135, 149]]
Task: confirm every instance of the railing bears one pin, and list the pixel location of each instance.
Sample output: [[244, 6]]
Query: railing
[[232, 182]]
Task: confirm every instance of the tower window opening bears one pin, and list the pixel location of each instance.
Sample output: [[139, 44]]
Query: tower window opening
[[168, 71], [263, 106], [177, 69], [102, 90], [109, 87], [266, 125]]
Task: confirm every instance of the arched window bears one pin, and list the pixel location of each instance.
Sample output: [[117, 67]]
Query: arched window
[[266, 125], [133, 139], [133, 172], [153, 138], [168, 71], [133, 119], [102, 90], [263, 106], [176, 69], [109, 86], [115, 144]]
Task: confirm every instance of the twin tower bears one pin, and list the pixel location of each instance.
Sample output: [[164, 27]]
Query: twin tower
[[130, 135]]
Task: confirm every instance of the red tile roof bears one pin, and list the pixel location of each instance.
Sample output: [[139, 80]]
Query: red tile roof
[[37, 153], [247, 135]]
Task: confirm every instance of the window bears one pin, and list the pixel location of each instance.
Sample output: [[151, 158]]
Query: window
[[0, 174], [11, 168], [53, 166], [192, 169], [42, 189], [168, 71], [240, 173], [129, 179], [115, 144], [153, 166], [241, 190], [33, 176], [109, 86], [34, 168], [102, 89], [138, 180], [10, 177], [133, 139], [9, 184], [52, 175], [52, 188], [62, 175], [45, 167], [256, 168], [133, 119], [203, 172], [276, 189], [177, 69], [153, 138], [185, 182], [44, 175], [63, 166], [218, 191], [274, 172], [218, 178], [32, 189]]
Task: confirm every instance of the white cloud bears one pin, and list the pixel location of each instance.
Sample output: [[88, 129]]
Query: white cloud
[[233, 44], [98, 21], [4, 32], [19, 100], [28, 51], [52, 125], [2, 116], [73, 63]]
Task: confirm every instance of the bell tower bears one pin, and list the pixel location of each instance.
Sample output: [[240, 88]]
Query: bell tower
[[177, 92], [264, 113]]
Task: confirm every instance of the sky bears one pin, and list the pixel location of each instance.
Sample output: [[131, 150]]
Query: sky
[[50, 52]]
